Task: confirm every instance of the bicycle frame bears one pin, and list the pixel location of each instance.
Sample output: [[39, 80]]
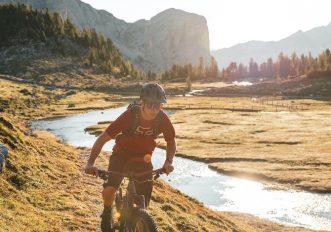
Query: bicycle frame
[[131, 201]]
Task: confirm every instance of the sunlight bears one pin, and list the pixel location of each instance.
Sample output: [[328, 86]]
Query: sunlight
[[292, 207], [242, 83]]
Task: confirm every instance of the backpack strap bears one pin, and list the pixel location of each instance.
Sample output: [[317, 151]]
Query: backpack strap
[[136, 117], [157, 123], [135, 122]]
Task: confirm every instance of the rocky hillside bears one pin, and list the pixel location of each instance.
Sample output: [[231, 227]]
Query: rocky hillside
[[315, 41], [42, 48], [173, 36]]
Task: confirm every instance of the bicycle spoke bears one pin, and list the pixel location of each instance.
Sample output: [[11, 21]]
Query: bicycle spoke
[[140, 227]]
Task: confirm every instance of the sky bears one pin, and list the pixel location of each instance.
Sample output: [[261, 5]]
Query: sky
[[232, 21]]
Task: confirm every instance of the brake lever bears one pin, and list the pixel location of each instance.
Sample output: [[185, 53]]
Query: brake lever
[[156, 176]]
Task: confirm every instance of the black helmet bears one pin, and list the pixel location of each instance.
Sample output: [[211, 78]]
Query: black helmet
[[152, 92]]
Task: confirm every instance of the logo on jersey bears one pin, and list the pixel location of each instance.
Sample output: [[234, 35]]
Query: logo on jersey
[[145, 131]]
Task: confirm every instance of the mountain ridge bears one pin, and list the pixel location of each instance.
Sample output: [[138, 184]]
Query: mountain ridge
[[314, 41], [154, 44]]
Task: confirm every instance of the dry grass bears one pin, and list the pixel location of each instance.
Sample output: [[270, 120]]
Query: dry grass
[[29, 101], [196, 85]]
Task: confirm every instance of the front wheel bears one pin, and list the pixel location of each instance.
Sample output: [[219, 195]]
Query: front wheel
[[142, 221]]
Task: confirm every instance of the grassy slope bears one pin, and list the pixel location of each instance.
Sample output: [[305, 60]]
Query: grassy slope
[[43, 187]]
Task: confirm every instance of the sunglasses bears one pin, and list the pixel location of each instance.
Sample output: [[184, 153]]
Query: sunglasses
[[153, 105]]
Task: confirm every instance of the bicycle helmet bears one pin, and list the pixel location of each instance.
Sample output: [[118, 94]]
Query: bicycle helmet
[[152, 92]]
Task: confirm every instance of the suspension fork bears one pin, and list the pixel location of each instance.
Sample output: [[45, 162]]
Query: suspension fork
[[134, 197]]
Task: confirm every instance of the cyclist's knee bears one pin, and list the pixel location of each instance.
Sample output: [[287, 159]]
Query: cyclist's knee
[[108, 190], [108, 195]]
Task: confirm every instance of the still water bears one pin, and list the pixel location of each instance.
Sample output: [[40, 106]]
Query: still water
[[215, 190]]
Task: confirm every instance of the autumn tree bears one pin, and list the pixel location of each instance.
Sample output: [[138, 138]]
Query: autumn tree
[[213, 68]]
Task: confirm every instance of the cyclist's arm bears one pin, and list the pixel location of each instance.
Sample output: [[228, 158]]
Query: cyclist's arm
[[113, 129], [97, 146], [171, 150], [96, 149], [169, 136]]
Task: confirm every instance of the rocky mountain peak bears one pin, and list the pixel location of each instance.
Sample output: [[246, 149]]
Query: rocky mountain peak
[[171, 37]]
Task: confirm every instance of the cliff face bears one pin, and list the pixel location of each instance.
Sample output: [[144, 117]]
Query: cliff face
[[171, 37]]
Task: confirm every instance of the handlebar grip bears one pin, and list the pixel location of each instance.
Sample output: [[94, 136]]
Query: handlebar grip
[[156, 176], [103, 174]]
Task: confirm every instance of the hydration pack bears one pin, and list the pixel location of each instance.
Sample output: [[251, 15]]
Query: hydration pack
[[136, 116]]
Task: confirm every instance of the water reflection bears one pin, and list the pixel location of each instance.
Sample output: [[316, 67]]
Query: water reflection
[[225, 193]]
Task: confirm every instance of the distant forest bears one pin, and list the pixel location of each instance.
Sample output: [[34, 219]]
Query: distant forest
[[20, 24], [283, 68]]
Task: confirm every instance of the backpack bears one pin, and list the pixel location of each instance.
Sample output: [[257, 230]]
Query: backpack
[[135, 123]]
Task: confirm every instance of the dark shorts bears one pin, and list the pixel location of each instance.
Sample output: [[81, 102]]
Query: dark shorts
[[120, 163]]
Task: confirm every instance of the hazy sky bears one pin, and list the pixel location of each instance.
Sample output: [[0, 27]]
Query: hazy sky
[[232, 21]]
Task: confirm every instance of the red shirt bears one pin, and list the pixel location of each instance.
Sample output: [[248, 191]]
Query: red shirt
[[142, 141]]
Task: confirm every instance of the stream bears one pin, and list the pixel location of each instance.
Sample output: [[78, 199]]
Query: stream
[[217, 191]]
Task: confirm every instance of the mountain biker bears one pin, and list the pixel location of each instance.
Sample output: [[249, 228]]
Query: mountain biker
[[134, 132]]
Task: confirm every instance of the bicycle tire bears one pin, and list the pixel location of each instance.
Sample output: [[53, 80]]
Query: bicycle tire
[[142, 221]]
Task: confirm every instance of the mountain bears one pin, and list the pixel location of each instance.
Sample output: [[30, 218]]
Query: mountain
[[38, 46], [315, 41], [172, 36]]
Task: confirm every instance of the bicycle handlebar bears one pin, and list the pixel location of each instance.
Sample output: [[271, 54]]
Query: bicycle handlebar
[[103, 174]]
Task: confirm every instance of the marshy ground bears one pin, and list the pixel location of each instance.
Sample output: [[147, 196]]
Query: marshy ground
[[282, 141]]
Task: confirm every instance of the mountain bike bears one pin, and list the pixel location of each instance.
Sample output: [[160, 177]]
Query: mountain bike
[[129, 213]]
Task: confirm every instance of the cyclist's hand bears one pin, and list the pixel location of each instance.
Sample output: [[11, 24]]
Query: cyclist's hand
[[91, 170], [168, 167]]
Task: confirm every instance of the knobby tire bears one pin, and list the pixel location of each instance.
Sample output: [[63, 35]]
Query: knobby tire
[[142, 221]]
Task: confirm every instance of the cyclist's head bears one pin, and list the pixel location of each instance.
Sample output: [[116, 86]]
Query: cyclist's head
[[153, 93]]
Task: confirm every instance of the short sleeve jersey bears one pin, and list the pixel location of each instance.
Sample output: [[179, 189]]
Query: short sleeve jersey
[[142, 140]]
